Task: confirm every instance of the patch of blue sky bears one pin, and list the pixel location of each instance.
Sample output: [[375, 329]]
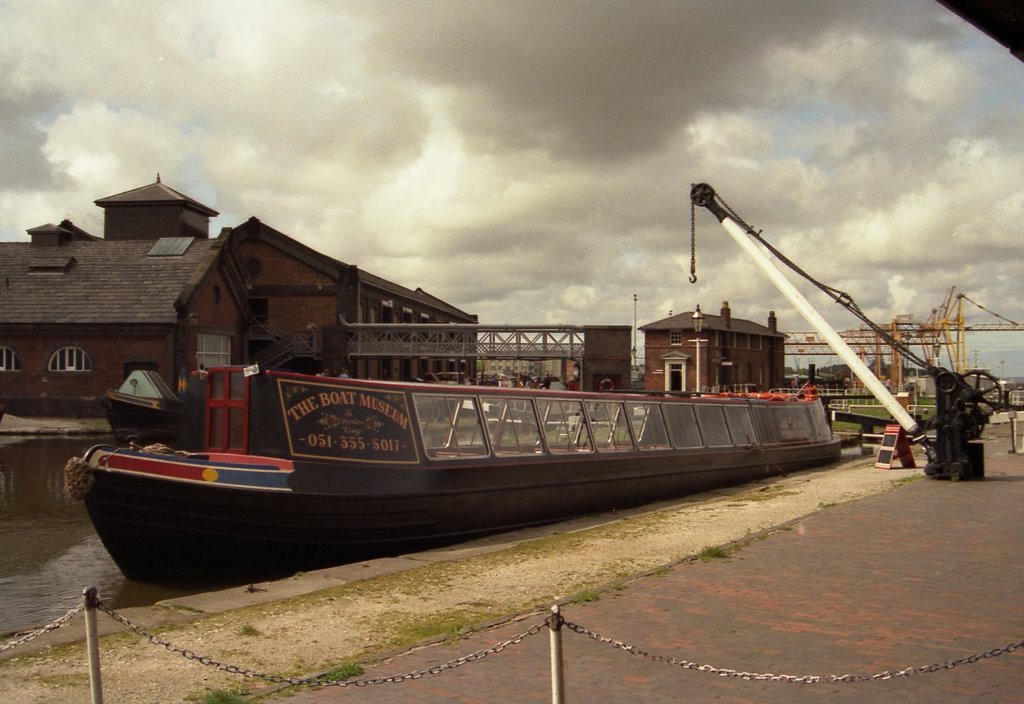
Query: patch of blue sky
[[795, 129], [195, 183], [634, 260], [55, 109], [1000, 74], [195, 125]]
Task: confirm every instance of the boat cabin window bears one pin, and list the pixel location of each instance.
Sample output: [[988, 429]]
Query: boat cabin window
[[822, 432], [712, 425], [145, 383], [512, 426], [565, 426], [648, 426], [609, 426], [449, 426], [741, 425], [682, 425], [793, 422], [226, 412], [766, 431]]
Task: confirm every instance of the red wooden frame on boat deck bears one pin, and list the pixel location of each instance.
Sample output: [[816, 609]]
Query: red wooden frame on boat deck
[[227, 411]]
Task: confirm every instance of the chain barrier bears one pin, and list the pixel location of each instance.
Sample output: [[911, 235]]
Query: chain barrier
[[32, 635], [319, 680], [791, 679], [555, 621]]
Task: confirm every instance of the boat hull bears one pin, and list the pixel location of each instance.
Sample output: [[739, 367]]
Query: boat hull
[[167, 529], [142, 420]]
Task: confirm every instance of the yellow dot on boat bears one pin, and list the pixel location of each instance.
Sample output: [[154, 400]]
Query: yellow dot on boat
[[210, 474]]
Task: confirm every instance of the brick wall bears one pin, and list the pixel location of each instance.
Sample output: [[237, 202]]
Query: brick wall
[[34, 390], [297, 293], [606, 356], [107, 351]]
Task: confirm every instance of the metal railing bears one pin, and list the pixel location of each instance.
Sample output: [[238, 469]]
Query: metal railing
[[442, 340], [290, 346]]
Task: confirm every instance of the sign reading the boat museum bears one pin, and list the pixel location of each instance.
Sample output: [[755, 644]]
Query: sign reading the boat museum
[[335, 421]]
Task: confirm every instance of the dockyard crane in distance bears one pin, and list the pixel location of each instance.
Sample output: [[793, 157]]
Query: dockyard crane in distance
[[950, 328]]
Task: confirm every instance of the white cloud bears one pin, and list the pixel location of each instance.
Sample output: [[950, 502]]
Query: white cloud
[[531, 161], [95, 146]]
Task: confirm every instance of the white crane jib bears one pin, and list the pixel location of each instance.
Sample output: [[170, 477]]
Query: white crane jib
[[704, 196]]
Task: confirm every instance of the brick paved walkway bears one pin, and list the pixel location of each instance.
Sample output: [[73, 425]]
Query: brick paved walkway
[[931, 572]]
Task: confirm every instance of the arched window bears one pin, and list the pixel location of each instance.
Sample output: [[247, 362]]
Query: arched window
[[9, 361], [70, 359]]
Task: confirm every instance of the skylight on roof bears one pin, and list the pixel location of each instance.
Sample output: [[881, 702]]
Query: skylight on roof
[[170, 247]]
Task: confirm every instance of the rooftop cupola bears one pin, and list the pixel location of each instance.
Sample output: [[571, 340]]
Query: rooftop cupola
[[152, 212]]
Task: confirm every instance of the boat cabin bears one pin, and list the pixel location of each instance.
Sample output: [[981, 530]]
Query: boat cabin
[[248, 411]]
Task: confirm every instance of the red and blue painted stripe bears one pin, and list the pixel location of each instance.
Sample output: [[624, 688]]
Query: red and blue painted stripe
[[222, 469]]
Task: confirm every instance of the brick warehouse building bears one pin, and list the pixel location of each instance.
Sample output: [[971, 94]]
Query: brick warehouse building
[[79, 312], [734, 353], [291, 288]]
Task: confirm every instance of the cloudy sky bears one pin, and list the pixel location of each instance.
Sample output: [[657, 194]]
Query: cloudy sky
[[530, 161]]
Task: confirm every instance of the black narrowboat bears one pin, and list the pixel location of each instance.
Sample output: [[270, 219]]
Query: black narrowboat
[[277, 471]]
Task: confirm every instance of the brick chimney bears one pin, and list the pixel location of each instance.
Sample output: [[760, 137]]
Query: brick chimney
[[726, 314], [773, 323]]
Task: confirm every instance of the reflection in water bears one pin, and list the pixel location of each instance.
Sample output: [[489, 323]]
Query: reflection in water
[[49, 552]]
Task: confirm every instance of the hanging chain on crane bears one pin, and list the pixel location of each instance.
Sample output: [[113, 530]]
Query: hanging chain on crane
[[693, 243]]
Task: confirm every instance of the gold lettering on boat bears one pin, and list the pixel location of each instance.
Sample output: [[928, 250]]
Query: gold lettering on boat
[[385, 409], [337, 398], [344, 422], [303, 408]]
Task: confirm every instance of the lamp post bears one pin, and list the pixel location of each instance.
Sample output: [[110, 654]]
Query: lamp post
[[698, 325], [633, 370]]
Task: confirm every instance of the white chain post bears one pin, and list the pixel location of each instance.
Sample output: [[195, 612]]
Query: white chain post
[[557, 665], [92, 639]]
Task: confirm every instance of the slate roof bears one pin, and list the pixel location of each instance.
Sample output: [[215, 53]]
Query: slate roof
[[97, 282], [684, 321], [419, 294], [154, 193]]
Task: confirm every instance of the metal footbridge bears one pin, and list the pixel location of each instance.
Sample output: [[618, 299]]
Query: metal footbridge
[[455, 340]]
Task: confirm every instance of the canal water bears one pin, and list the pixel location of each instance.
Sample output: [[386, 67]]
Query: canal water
[[49, 551]]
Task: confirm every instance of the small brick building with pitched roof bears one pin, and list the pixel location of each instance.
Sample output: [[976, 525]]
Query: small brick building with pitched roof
[[735, 354]]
